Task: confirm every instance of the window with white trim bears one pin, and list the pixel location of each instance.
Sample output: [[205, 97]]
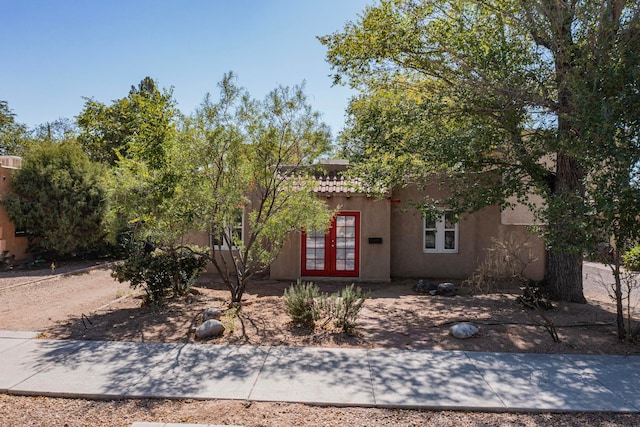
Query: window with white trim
[[234, 230], [441, 234]]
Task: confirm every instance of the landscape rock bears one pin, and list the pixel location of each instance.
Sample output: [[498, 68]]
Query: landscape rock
[[463, 330], [210, 328], [425, 287], [447, 289], [212, 313]]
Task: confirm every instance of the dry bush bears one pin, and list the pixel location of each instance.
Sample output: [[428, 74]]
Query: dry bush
[[503, 265]]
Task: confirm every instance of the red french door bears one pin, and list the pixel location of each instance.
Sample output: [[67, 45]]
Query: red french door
[[336, 252]]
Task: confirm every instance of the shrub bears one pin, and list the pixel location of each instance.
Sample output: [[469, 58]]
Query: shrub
[[302, 303], [305, 305], [59, 198], [345, 306], [504, 264], [535, 295], [631, 259], [159, 272], [6, 261]]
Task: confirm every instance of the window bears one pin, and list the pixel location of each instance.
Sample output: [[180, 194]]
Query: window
[[234, 231], [441, 234]]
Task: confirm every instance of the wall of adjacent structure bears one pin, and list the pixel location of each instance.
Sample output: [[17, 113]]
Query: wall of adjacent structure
[[476, 234], [17, 246]]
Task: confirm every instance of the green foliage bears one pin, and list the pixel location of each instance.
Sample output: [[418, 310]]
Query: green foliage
[[237, 154], [631, 259], [302, 303], [135, 135], [543, 94], [58, 198], [58, 130], [229, 319], [305, 305], [13, 136], [159, 272], [235, 157], [344, 307], [138, 125]]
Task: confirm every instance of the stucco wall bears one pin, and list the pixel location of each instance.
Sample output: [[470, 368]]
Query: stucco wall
[[401, 228], [475, 235], [374, 257], [520, 214]]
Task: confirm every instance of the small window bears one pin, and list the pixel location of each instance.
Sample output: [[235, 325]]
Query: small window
[[441, 233], [234, 231]]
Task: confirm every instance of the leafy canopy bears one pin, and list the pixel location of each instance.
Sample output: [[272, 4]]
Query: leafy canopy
[[506, 98], [138, 124], [58, 198], [13, 135], [241, 154], [234, 157]]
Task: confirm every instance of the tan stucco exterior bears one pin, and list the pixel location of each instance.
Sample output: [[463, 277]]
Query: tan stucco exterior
[[401, 227], [391, 237], [476, 232], [374, 223], [16, 245]]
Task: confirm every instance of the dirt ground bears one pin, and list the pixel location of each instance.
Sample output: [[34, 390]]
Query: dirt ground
[[93, 306]]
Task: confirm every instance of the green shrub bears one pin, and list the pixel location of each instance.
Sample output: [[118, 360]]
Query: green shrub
[[345, 306], [631, 259], [59, 198], [303, 303], [159, 272]]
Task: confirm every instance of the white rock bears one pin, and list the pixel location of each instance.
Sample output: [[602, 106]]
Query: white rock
[[210, 328], [212, 313], [463, 330]]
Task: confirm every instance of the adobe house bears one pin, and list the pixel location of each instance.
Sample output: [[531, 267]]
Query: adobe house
[[374, 239], [10, 240]]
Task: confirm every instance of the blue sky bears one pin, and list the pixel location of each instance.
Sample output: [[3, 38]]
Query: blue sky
[[54, 53]]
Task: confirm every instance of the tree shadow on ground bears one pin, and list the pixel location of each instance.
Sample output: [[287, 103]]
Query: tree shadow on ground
[[394, 316]]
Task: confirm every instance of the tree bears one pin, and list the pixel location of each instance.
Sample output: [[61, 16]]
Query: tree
[[133, 136], [13, 135], [58, 130], [607, 108], [58, 198], [139, 123], [494, 95], [237, 158]]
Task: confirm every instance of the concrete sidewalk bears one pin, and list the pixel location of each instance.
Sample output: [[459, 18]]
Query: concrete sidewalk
[[325, 376]]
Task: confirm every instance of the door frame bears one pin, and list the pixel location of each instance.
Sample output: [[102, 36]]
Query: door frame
[[330, 250]]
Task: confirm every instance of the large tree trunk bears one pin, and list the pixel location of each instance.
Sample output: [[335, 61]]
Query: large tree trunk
[[564, 265], [564, 276], [564, 261]]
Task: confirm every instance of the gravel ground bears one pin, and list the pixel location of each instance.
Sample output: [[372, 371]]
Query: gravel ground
[[43, 411], [90, 292]]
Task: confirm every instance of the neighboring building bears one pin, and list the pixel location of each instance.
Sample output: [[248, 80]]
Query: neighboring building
[[11, 240], [374, 239]]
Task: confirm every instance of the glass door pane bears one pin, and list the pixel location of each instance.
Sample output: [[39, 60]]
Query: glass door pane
[[315, 251], [345, 243]]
